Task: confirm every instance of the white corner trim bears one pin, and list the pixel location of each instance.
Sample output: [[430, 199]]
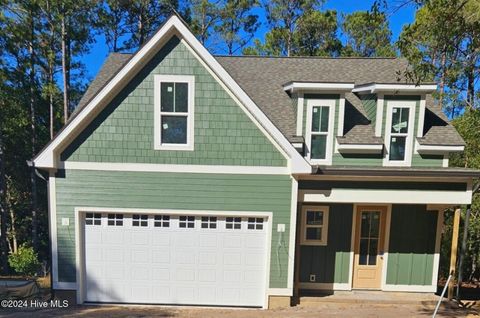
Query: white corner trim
[[330, 136], [446, 160], [410, 88], [410, 140], [436, 150], [300, 101], [280, 292], [421, 116], [386, 242], [157, 139], [352, 245], [325, 286], [292, 234], [410, 288], [52, 214], [151, 167], [317, 86], [379, 116], [341, 114], [438, 241], [48, 157], [360, 148]]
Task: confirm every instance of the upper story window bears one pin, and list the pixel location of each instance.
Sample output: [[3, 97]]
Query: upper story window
[[319, 135], [174, 109], [399, 133]]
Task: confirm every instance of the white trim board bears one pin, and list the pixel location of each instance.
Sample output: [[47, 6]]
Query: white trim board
[[150, 167], [410, 288], [52, 214], [48, 158], [337, 195], [317, 86], [292, 235], [405, 88], [435, 150]]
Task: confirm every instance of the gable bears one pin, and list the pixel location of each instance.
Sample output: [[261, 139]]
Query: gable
[[124, 131]]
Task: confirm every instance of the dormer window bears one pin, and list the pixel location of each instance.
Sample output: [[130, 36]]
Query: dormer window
[[174, 103], [399, 133], [319, 135]]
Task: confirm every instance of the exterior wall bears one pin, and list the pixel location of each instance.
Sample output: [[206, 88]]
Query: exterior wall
[[330, 263], [147, 190], [412, 245], [124, 131], [369, 102]]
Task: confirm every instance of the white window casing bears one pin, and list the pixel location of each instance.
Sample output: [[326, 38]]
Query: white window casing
[[323, 226], [330, 103], [409, 135], [158, 113]]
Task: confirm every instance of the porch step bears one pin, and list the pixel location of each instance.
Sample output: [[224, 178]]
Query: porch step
[[369, 298]]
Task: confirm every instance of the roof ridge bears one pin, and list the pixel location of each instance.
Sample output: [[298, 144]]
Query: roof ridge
[[312, 57]]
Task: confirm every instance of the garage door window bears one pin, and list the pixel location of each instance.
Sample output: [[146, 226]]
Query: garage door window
[[187, 222], [209, 222], [93, 219], [115, 219], [255, 223], [233, 223], [140, 220], [162, 221]]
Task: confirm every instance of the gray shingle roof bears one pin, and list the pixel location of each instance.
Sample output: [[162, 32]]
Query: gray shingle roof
[[262, 78]]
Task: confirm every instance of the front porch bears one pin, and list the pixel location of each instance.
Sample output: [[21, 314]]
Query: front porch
[[372, 235]]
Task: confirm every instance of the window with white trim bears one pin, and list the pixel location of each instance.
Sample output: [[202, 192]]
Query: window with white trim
[[255, 224], [319, 135], [161, 221], [209, 222], [93, 219], [115, 219], [399, 132], [140, 220], [233, 223], [174, 104], [186, 221], [315, 225]]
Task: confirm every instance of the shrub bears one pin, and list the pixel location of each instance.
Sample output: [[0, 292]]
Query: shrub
[[24, 261]]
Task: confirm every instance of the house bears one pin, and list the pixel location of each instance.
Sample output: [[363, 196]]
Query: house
[[184, 178]]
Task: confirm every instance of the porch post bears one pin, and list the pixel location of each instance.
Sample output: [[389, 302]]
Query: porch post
[[453, 255]]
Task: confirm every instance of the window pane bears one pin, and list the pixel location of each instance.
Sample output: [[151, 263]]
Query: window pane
[[314, 233], [174, 130], [166, 93], [397, 148], [400, 120], [320, 118], [181, 97], [314, 217], [319, 147], [363, 256], [374, 224], [372, 252]]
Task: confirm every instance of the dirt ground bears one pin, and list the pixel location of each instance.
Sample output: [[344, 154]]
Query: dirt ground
[[319, 310]]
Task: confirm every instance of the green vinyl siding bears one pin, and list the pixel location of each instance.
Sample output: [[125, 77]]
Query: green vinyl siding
[[156, 190], [124, 130], [369, 102], [412, 245], [370, 160], [330, 263], [427, 160]]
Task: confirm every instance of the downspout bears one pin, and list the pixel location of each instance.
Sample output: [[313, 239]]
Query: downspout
[[464, 243]]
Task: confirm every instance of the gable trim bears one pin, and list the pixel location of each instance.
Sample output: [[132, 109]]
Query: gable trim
[[48, 157]]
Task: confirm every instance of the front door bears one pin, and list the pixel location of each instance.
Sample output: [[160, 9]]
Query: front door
[[369, 245]]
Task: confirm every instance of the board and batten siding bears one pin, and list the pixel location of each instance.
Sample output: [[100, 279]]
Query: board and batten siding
[[223, 133], [412, 245], [330, 263], [176, 191]]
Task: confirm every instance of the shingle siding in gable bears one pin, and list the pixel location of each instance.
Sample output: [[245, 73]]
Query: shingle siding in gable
[[369, 102], [224, 135]]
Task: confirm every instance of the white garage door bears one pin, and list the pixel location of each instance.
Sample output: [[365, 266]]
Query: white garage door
[[175, 259]]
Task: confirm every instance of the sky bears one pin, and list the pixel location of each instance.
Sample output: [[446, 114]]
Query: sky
[[398, 16]]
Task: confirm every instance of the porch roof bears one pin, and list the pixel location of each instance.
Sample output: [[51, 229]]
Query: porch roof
[[396, 171]]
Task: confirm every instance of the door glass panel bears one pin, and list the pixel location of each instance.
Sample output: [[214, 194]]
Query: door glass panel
[[369, 237]]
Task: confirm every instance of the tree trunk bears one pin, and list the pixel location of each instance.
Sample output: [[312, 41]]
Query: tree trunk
[[64, 70], [33, 179], [13, 231], [442, 79], [3, 212], [470, 87]]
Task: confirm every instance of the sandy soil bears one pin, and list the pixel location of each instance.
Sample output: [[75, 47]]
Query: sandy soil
[[320, 310]]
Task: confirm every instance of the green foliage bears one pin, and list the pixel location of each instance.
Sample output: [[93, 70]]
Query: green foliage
[[368, 34], [24, 261]]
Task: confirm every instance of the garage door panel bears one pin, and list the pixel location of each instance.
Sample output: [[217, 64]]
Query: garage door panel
[[163, 263]]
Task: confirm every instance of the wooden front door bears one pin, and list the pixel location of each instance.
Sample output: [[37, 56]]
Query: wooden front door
[[369, 246]]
